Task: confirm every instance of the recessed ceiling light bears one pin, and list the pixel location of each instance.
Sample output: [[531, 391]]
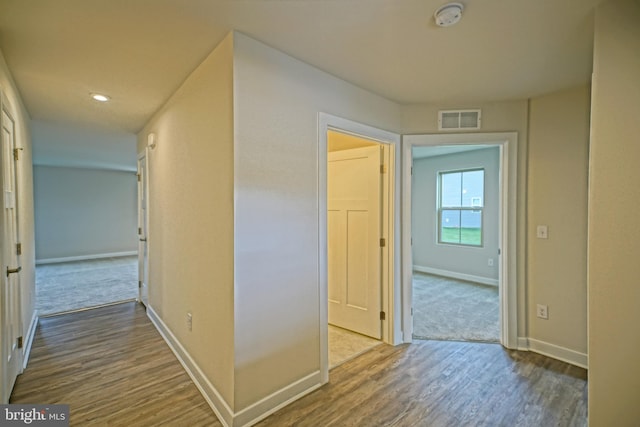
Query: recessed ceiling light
[[100, 97], [449, 14]]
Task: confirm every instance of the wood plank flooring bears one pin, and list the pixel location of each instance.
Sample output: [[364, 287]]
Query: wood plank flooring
[[444, 383], [113, 368]]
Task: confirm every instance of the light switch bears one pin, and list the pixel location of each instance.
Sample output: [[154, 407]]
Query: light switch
[[542, 232]]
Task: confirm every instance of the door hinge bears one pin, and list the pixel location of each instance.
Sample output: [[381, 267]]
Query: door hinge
[[138, 175], [20, 342], [139, 283], [16, 155], [139, 230], [383, 168], [383, 315], [19, 248], [383, 242], [412, 311]]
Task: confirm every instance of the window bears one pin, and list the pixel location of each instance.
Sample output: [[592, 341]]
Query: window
[[460, 206]]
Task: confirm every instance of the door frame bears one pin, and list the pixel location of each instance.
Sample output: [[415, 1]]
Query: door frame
[[391, 295], [144, 154], [508, 291], [6, 383]]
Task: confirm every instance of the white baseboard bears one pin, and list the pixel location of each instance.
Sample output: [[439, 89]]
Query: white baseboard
[[554, 351], [455, 275], [31, 333], [85, 257], [212, 396], [248, 416], [281, 398]]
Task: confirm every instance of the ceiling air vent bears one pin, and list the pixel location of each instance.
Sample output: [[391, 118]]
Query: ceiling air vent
[[459, 119]]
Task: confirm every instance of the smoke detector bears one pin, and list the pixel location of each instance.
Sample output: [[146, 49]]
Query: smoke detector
[[449, 14]]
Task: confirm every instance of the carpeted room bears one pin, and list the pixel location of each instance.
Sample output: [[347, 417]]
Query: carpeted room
[[85, 218], [455, 231]]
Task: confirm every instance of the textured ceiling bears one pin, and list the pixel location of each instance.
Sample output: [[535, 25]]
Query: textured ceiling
[[140, 51]]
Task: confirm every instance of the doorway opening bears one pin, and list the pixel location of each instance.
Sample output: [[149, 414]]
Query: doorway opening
[[357, 208], [449, 234], [359, 233], [86, 241], [455, 220]]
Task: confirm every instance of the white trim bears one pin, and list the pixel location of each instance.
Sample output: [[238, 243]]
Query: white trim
[[557, 352], [144, 154], [392, 330], [456, 275], [28, 341], [211, 395], [277, 400], [508, 291], [85, 257]]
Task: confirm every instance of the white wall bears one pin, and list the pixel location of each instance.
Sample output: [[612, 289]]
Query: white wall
[[427, 253], [84, 212], [25, 198], [277, 101], [614, 231]]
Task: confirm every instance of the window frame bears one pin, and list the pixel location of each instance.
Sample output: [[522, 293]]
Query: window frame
[[440, 209]]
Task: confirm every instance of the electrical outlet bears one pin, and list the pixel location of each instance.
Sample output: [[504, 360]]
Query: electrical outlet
[[189, 321], [542, 311], [490, 262]]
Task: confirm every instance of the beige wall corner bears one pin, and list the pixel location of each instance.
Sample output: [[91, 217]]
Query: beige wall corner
[[614, 231], [190, 232]]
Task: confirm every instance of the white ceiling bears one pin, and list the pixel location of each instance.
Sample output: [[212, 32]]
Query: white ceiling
[[140, 51]]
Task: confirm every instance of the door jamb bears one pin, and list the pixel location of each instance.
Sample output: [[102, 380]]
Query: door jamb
[[392, 332], [508, 143], [144, 154]]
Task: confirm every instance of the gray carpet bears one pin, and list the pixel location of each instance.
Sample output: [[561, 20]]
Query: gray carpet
[[449, 309], [83, 284]]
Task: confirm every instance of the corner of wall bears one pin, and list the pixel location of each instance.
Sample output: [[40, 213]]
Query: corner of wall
[[190, 232]]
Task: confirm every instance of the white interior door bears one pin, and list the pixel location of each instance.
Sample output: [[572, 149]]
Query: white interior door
[[354, 231], [143, 247], [11, 323]]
